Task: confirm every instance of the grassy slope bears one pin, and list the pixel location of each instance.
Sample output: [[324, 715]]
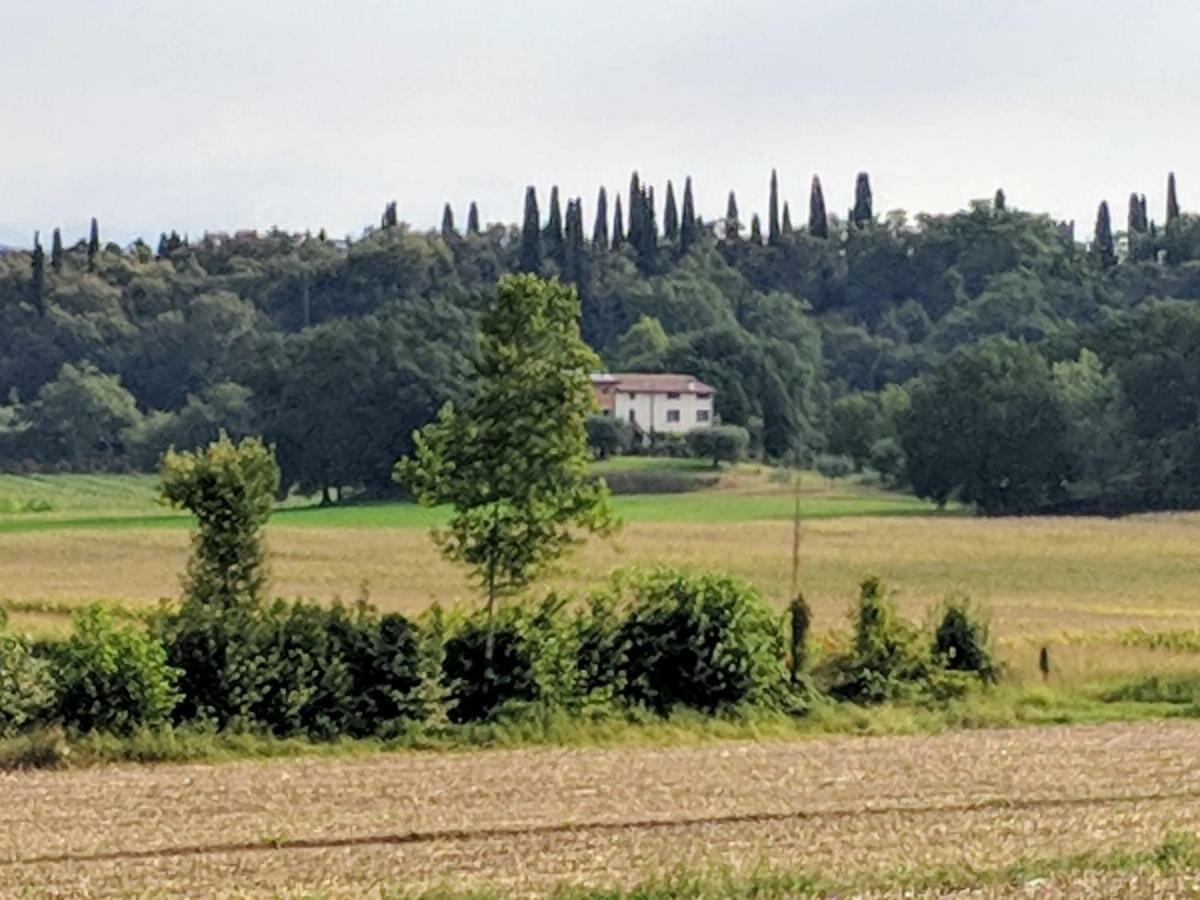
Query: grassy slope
[[129, 501]]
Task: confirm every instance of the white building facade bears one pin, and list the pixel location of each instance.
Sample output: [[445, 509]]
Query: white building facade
[[656, 403]]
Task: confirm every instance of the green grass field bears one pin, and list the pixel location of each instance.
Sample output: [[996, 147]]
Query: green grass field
[[62, 502]]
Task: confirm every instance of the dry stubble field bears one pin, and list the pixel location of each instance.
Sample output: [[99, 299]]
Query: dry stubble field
[[866, 811]]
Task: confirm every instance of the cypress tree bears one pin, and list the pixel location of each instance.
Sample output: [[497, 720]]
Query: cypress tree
[[93, 244], [390, 219], [572, 243], [1137, 215], [670, 215], [448, 232], [755, 230], [529, 258], [552, 237], [1102, 241], [600, 229], [862, 214], [636, 200], [56, 252], [473, 218], [818, 221], [773, 211], [618, 235], [38, 266], [1172, 200], [785, 226], [650, 224], [733, 227], [1000, 203], [688, 228]]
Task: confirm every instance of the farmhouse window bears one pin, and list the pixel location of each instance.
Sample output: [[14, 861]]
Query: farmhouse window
[[672, 415]]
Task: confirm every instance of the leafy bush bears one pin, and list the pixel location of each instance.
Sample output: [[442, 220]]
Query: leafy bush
[[111, 678], [26, 685], [704, 642], [832, 466], [296, 668], [658, 481], [607, 436], [888, 659], [961, 641], [720, 443], [475, 691]]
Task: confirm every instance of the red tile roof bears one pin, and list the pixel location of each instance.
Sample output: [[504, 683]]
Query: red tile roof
[[654, 383]]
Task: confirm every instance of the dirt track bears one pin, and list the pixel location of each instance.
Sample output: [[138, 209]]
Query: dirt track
[[528, 820]]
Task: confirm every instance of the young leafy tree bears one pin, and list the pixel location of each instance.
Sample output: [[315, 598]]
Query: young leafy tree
[[513, 460], [600, 230], [529, 257], [670, 215], [93, 247], [863, 213], [230, 489], [473, 218], [773, 211], [1172, 200], [688, 225], [818, 221]]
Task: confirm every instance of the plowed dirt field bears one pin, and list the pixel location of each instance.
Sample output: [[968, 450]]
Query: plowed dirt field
[[525, 821]]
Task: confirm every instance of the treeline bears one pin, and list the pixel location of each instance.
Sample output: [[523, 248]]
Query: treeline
[[854, 335]]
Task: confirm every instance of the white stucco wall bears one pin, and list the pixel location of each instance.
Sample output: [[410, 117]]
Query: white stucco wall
[[652, 411]]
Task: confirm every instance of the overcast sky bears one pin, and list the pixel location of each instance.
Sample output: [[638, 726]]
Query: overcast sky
[[216, 115]]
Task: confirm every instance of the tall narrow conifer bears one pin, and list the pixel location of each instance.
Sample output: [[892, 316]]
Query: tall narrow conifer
[[688, 226], [1102, 241], [1172, 200], [733, 226], [785, 226], [618, 235], [38, 270], [448, 232], [600, 229], [818, 221], [1000, 203], [93, 244], [755, 230], [473, 218], [56, 251], [552, 237], [529, 257], [670, 215], [862, 214], [773, 211]]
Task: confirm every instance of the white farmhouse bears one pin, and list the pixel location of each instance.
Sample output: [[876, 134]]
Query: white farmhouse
[[655, 403]]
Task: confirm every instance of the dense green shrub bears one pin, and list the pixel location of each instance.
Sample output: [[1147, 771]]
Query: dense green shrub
[[720, 443], [658, 481], [961, 641], [887, 458], [700, 641], [475, 690], [111, 678], [607, 436], [296, 668], [26, 685], [888, 660], [832, 466]]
